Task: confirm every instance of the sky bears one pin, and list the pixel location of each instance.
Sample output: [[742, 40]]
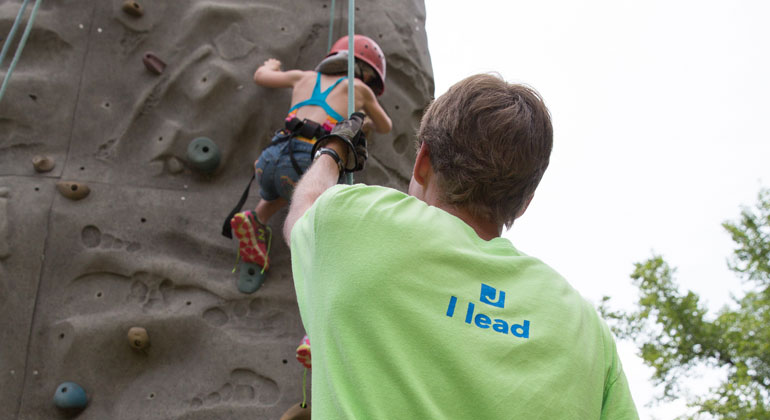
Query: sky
[[661, 118]]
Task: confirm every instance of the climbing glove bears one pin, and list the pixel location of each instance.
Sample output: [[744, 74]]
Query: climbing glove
[[349, 131]]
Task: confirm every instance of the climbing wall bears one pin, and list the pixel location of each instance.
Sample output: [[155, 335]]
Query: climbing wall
[[105, 224]]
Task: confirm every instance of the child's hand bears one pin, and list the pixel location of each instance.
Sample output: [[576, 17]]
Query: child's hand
[[368, 127], [272, 64]]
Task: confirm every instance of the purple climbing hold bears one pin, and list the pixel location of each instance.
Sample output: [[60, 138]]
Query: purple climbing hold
[[153, 63], [133, 8]]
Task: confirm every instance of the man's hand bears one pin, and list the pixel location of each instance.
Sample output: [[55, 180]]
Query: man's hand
[[350, 133]]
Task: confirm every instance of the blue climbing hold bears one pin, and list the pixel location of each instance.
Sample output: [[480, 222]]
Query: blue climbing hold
[[70, 396], [250, 277], [203, 154]]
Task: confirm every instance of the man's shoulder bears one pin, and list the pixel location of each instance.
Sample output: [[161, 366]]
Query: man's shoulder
[[341, 193]]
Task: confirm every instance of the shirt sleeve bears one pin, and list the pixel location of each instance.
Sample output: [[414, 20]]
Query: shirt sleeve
[[617, 403], [304, 249]]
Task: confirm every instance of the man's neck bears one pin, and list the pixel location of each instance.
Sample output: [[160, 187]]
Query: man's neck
[[485, 229]]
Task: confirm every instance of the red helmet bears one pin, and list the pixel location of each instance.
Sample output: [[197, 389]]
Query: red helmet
[[366, 50]]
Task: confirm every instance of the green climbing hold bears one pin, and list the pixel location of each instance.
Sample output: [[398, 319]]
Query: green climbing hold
[[250, 277], [70, 396], [203, 154]]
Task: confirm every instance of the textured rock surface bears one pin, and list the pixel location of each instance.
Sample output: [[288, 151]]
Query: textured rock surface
[[144, 246]]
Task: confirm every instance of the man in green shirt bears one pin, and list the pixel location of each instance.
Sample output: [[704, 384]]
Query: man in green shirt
[[416, 307]]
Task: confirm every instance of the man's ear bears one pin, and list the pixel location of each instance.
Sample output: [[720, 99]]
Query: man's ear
[[422, 165]]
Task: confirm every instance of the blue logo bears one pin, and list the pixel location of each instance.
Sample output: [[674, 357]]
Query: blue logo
[[490, 296]]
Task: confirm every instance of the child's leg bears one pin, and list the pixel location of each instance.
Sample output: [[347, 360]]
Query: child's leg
[[266, 209]]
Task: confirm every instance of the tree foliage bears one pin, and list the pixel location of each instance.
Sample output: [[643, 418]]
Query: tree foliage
[[675, 333]]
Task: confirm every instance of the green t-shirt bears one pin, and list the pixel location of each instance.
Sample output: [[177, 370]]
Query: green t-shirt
[[412, 316]]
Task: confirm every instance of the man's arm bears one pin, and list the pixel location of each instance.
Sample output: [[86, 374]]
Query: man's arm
[[322, 175]]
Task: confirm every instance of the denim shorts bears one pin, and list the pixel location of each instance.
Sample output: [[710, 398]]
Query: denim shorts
[[275, 173]]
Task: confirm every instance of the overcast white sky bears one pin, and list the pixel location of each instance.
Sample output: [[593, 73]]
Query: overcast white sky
[[661, 132]]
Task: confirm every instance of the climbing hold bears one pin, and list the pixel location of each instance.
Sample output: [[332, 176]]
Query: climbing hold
[[73, 190], [174, 165], [297, 412], [70, 396], [133, 8], [138, 338], [42, 163], [203, 154], [153, 63], [250, 277]]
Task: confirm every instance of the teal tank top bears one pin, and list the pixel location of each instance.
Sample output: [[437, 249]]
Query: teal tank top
[[318, 98]]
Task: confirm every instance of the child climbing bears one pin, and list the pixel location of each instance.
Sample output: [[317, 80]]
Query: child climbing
[[319, 99]]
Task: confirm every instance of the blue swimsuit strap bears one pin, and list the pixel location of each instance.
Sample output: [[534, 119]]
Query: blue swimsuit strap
[[319, 98]]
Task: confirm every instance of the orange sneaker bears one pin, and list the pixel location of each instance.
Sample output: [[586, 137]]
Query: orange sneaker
[[253, 238], [303, 352]]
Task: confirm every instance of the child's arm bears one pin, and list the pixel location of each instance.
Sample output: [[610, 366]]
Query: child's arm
[[269, 74], [374, 110]]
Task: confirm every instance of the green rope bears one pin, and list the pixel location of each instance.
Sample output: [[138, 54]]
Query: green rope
[[269, 241], [331, 28], [12, 33], [19, 49], [304, 390]]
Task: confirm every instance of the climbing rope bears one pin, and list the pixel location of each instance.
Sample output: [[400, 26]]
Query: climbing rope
[[22, 42], [12, 34], [331, 28], [351, 56], [351, 75]]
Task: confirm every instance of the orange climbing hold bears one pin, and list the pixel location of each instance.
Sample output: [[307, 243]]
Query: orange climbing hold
[[73, 190], [42, 163], [138, 338], [298, 411], [130, 7]]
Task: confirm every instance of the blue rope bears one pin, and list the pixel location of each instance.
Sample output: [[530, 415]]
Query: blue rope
[[20, 48], [12, 34], [351, 53], [351, 75], [331, 28]]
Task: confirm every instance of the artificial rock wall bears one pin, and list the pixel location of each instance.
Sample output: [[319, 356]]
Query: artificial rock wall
[[143, 247]]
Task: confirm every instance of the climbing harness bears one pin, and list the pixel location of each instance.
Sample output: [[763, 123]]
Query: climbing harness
[[22, 42], [294, 127]]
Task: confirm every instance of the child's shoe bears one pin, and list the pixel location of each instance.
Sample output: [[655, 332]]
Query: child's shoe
[[303, 352], [253, 237]]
